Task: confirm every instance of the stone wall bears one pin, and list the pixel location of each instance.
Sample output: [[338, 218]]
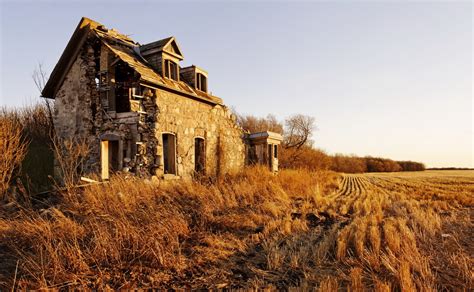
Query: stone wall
[[188, 119], [80, 115], [76, 116], [72, 114]]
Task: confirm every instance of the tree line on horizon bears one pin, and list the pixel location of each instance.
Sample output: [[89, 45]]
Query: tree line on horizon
[[298, 150]]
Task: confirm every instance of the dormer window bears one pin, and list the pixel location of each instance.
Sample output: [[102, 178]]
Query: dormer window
[[201, 82], [164, 57], [171, 70]]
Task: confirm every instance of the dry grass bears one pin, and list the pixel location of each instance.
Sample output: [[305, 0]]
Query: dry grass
[[12, 148], [297, 229], [35, 137]]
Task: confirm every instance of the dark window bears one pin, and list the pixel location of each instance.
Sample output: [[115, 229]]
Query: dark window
[[167, 69], [275, 151], [269, 155], [199, 155], [201, 82], [120, 99], [171, 70], [169, 153]]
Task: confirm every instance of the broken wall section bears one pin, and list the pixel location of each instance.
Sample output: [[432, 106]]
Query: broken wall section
[[76, 116], [87, 110], [130, 116]]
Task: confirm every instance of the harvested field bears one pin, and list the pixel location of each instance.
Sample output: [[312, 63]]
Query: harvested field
[[380, 232], [413, 227]]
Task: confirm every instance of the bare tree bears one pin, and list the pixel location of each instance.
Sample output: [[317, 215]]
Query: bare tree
[[40, 77], [298, 131], [257, 124]]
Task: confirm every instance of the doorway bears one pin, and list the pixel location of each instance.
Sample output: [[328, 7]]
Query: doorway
[[110, 157], [169, 153], [199, 156], [270, 155]]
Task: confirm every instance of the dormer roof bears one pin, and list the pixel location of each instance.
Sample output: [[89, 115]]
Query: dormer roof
[[168, 45]]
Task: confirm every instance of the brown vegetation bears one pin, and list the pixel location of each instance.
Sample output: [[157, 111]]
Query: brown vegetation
[[300, 228], [12, 149], [164, 235], [305, 157], [256, 124], [253, 229], [35, 126], [298, 150], [354, 164]]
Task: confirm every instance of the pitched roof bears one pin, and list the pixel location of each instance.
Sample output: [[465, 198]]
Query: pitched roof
[[125, 49], [169, 45], [158, 44]]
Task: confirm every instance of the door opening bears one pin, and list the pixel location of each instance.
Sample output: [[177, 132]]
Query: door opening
[[199, 156], [114, 156], [169, 153], [270, 156], [110, 157]]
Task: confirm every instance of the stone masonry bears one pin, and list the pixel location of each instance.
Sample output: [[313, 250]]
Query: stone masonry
[[143, 118]]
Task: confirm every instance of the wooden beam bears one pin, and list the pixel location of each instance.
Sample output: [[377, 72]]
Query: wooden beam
[[104, 159]]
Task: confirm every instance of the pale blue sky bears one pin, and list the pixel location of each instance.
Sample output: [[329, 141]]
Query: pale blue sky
[[391, 79]]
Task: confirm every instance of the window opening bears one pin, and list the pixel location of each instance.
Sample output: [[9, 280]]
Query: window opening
[[169, 153]]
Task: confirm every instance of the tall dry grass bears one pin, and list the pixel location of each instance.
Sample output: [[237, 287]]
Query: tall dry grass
[[33, 129], [136, 233], [70, 156], [253, 229], [13, 149]]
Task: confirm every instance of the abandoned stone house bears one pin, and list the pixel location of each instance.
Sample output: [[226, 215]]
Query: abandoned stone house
[[139, 111]]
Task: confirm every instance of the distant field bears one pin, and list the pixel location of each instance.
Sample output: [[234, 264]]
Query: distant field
[[440, 184], [441, 174]]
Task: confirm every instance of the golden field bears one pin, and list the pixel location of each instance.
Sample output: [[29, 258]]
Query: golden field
[[295, 230]]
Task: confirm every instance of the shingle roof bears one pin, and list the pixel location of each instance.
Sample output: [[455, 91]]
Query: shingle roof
[[147, 74], [158, 44], [125, 49]]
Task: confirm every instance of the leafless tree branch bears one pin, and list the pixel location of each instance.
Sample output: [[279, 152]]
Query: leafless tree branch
[[299, 130], [40, 78]]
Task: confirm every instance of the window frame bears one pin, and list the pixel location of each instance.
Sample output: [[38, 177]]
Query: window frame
[[168, 73], [201, 82], [174, 151]]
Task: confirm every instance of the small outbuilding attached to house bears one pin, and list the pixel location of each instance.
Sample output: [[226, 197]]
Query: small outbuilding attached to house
[[264, 148]]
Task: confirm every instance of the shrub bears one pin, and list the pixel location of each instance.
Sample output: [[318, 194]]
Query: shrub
[[304, 158], [36, 129], [13, 148]]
